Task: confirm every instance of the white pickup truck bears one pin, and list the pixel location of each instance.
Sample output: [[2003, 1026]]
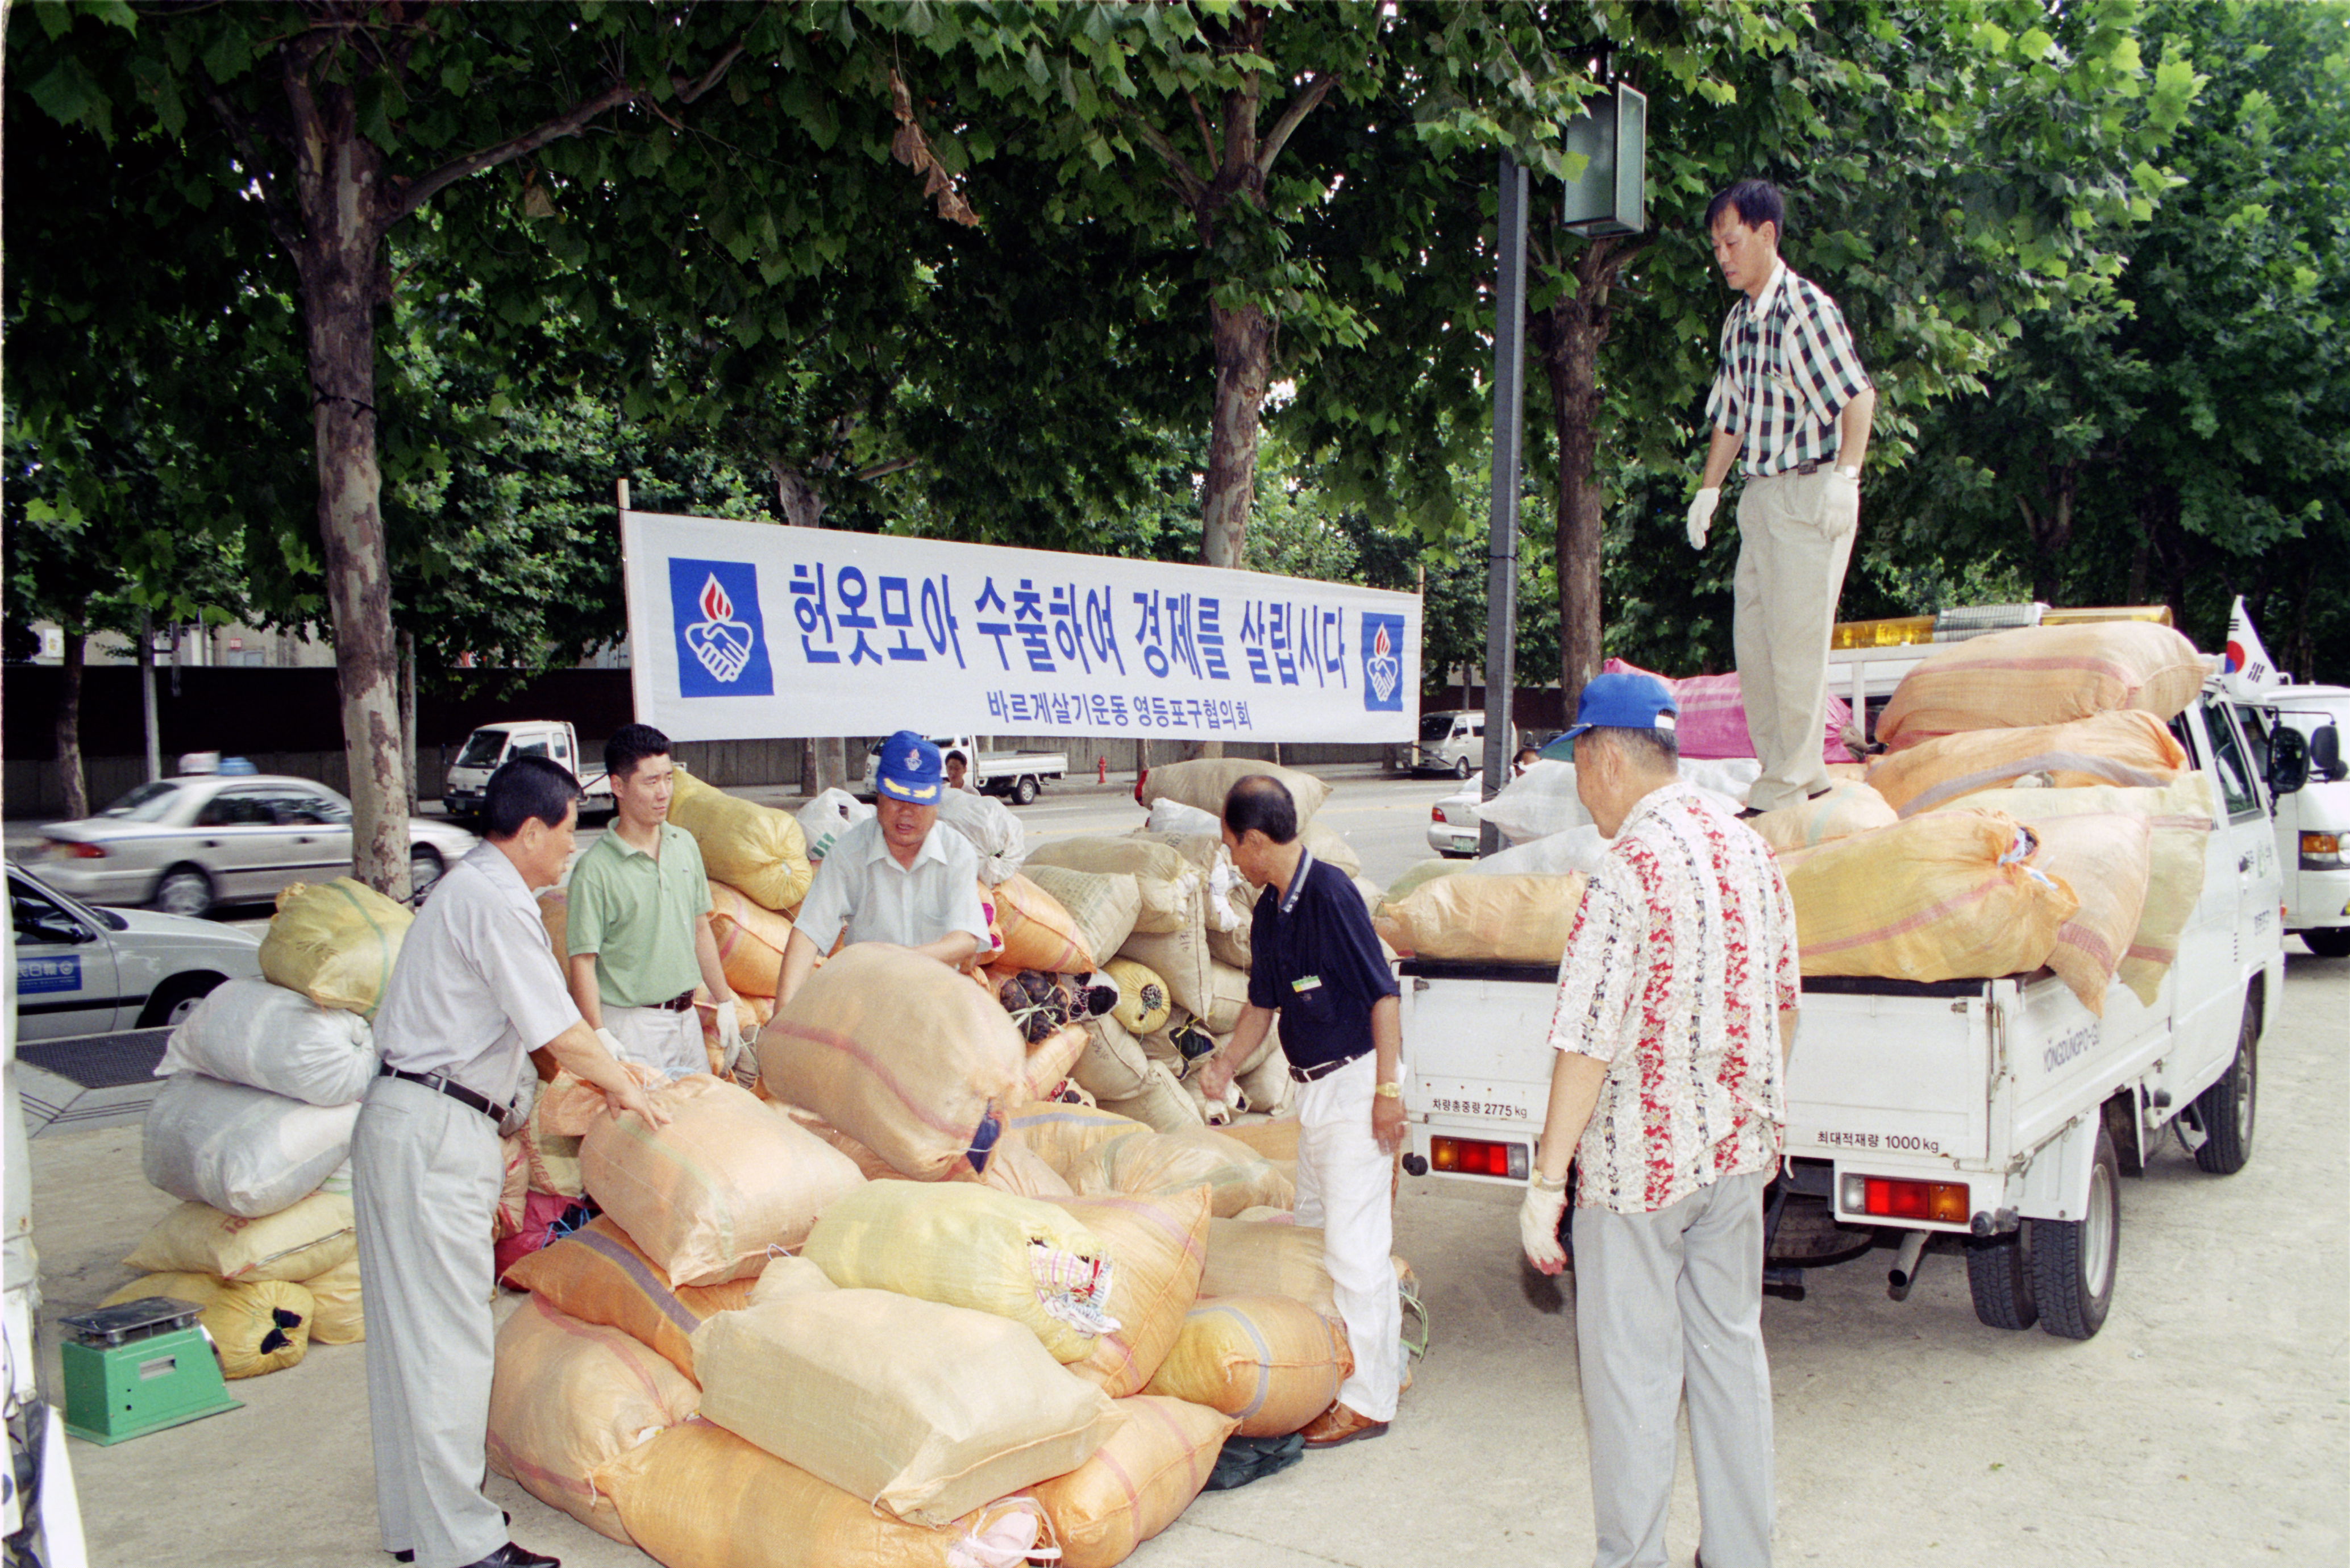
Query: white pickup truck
[[486, 748], [1019, 775], [2312, 824], [1993, 1114]]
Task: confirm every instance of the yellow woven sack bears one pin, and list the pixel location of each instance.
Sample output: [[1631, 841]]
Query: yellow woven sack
[[569, 1397], [2106, 861], [1951, 894], [1142, 998], [706, 1196], [1161, 1245], [1102, 906], [2130, 749], [2041, 675], [1050, 1062], [1170, 883], [1204, 782], [898, 1052], [1036, 931], [338, 1313], [1013, 1169], [972, 1246], [293, 1244], [335, 943], [750, 848], [1158, 1103], [1843, 809], [1181, 961], [1138, 1484], [1159, 1163], [697, 1496], [1061, 1135], [1274, 1363], [1501, 920], [2182, 822], [261, 1325], [751, 939], [1260, 1258], [925, 1409]]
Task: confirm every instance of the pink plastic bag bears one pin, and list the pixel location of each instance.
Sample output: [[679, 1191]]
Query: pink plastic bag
[[1713, 716]]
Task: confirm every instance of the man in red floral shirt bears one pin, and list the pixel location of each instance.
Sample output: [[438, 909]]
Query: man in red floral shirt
[[1677, 999]]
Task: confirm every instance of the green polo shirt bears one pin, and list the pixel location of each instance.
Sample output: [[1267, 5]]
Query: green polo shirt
[[637, 915]]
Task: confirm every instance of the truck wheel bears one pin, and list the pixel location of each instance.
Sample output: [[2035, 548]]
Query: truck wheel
[[2329, 942], [2224, 1111], [1999, 1276], [1024, 791], [2073, 1260]]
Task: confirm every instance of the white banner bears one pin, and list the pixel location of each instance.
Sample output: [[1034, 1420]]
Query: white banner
[[746, 630]]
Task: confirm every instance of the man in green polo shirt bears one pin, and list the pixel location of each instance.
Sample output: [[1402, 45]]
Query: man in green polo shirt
[[639, 930]]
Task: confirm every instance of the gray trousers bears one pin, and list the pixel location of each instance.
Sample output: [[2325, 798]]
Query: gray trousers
[[425, 1174], [1782, 611], [1667, 1302]]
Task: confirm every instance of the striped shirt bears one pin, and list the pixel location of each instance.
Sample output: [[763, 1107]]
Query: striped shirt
[[1681, 960], [1788, 368]]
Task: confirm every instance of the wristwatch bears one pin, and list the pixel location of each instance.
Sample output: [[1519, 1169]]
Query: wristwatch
[[1849, 470], [1389, 1091]]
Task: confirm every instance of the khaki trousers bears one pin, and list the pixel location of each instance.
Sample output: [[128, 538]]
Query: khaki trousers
[[1790, 572], [669, 1043]]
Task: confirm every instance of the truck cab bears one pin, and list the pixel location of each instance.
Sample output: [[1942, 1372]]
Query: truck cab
[[2313, 823], [492, 744]]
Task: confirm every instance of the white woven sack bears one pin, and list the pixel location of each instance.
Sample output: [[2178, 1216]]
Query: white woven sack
[[1577, 849], [993, 831], [1728, 777], [1174, 816], [1536, 804], [827, 817], [245, 1151], [262, 1035]]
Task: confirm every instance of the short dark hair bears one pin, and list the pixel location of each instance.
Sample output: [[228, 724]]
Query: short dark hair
[[955, 756], [524, 788], [631, 744], [1657, 748], [1261, 802], [1534, 752], [1757, 202]]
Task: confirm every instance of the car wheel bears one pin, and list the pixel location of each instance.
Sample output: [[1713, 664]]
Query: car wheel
[[2329, 942], [423, 870], [1461, 770], [184, 890], [175, 999]]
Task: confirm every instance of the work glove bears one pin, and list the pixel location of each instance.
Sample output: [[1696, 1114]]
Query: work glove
[[1538, 1218], [612, 1044], [1700, 514], [1840, 506], [729, 1033]]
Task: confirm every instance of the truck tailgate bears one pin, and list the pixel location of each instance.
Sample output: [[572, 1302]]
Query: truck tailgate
[[1477, 1038], [1884, 1066]]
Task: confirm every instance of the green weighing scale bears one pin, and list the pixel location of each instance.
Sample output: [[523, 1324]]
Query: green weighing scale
[[138, 1368]]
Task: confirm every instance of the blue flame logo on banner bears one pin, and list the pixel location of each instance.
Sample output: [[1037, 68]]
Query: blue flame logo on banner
[[714, 605], [1382, 669]]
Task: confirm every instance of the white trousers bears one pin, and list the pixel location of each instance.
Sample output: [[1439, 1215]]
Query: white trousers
[[1790, 573], [1346, 1184], [425, 1174], [669, 1043], [1666, 1303]]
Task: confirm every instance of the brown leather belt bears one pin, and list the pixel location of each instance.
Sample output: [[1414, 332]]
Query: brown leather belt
[[681, 1003], [1323, 1069]]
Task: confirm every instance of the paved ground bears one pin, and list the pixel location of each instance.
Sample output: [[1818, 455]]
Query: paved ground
[[2210, 1422]]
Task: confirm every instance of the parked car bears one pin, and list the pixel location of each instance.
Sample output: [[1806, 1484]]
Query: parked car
[[1453, 825], [186, 843], [87, 971]]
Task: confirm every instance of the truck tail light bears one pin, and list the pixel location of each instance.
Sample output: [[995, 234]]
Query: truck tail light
[[2320, 852], [1477, 1156], [1889, 1198]]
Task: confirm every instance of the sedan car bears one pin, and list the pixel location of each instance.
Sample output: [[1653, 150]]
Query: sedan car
[[1453, 825], [87, 971], [186, 843]]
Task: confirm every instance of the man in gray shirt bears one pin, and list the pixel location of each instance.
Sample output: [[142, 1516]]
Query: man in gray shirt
[[475, 992]]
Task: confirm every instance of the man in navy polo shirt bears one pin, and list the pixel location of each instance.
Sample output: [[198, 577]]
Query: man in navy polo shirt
[[1317, 967]]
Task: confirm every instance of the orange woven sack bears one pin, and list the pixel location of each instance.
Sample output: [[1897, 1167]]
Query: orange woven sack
[[1846, 808], [2131, 749], [1038, 932], [1500, 918], [2038, 675], [751, 939], [598, 1275], [2106, 861], [1153, 1163], [567, 1399], [1274, 1363], [1049, 1063], [1137, 1483], [1161, 1245]]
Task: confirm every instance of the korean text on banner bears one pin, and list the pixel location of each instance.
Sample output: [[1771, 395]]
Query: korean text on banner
[[746, 630]]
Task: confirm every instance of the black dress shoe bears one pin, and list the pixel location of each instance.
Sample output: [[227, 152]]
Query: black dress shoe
[[410, 1556], [512, 1556]]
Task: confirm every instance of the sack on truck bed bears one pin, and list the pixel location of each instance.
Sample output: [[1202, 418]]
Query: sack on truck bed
[[971, 1246], [1204, 782], [1273, 1362], [706, 1196], [1949, 896], [245, 1151], [265, 1037], [2038, 675], [1102, 908], [335, 943], [2130, 749], [1501, 919], [257, 1327], [898, 1052], [1713, 721], [752, 847], [924, 1410], [1843, 809], [1160, 1244], [1536, 804], [2105, 861], [598, 1275], [1138, 1484]]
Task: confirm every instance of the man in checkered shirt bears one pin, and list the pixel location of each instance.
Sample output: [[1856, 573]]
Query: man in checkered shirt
[[1791, 406]]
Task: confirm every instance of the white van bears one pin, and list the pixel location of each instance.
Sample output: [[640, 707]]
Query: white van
[[1452, 742], [2313, 823]]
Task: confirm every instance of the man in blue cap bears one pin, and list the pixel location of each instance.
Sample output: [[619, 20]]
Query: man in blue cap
[[1677, 999], [899, 877]]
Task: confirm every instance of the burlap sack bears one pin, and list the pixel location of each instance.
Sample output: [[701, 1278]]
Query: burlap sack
[[1204, 782], [1273, 1362], [2130, 748], [2041, 675], [1256, 1258], [2106, 860], [1102, 908], [1112, 1065], [1142, 998], [293, 1244], [257, 1327], [1181, 958], [1159, 1103], [750, 848], [1148, 1163], [335, 943], [1171, 886], [1499, 920], [1160, 1244], [1063, 1135], [1138, 1482]]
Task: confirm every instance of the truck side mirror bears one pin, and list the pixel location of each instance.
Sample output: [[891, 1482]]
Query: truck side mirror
[[2289, 760], [2325, 753]]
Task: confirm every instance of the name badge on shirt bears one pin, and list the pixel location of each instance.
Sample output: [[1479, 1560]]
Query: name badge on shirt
[[1304, 983]]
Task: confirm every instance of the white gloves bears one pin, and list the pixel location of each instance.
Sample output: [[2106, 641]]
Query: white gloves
[[1840, 506], [611, 1044], [1538, 1218], [1700, 514], [729, 1033]]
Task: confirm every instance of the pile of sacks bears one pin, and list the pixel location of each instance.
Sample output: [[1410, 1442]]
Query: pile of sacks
[[252, 1133], [893, 1309]]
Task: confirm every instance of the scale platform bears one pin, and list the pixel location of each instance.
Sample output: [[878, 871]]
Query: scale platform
[[138, 1368]]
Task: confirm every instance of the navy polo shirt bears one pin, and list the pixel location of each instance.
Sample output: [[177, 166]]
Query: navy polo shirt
[[1314, 956]]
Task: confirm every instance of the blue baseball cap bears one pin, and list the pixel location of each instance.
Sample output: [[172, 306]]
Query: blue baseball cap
[[908, 769], [1623, 701]]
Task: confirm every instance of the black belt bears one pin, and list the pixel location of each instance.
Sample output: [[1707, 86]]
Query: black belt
[[681, 1003], [457, 1092], [1323, 1069]]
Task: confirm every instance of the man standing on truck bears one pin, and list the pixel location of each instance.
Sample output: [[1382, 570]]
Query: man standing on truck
[[1677, 998], [1320, 971], [470, 996], [898, 877], [639, 928], [1792, 406]]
